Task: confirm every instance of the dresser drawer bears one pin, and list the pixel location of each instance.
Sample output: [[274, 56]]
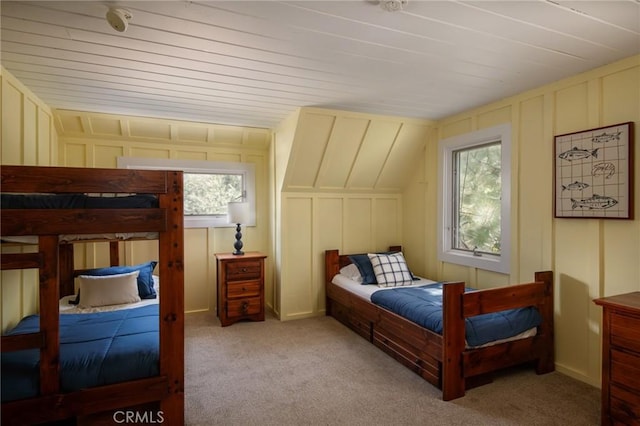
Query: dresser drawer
[[243, 289], [625, 369], [625, 331], [245, 270], [243, 307], [625, 406]]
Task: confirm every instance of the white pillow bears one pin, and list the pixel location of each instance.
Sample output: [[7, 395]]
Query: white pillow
[[156, 283], [108, 289], [391, 270], [352, 272]]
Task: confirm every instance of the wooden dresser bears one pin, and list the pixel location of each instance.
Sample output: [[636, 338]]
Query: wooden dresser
[[621, 359], [240, 287]]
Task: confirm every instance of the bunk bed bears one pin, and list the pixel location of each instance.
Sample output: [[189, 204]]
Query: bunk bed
[[161, 393], [444, 357]]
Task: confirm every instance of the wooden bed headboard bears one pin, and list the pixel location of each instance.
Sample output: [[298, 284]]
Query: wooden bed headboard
[[333, 261]]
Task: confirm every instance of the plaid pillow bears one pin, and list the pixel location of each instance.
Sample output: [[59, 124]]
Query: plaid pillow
[[391, 270]]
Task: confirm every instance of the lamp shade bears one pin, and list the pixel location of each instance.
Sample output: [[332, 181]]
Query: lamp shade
[[238, 212]]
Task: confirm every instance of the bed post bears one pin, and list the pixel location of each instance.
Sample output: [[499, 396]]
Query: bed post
[[546, 362], [331, 268], [171, 265], [453, 341], [66, 269], [114, 253], [49, 315]]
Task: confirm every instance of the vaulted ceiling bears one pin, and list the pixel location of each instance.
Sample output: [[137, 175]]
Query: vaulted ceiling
[[253, 63]]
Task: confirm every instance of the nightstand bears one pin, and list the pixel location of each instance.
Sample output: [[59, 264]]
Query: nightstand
[[240, 286]]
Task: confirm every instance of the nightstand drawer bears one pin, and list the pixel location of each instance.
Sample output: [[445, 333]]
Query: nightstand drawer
[[625, 331], [243, 307], [243, 289], [625, 369], [245, 270]]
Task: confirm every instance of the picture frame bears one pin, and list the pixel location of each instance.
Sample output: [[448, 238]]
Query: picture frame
[[593, 173]]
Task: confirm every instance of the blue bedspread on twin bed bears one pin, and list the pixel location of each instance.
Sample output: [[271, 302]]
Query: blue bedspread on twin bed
[[95, 349], [423, 305]]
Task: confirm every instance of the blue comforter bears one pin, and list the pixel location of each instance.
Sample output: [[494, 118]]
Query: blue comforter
[[95, 349], [423, 305]]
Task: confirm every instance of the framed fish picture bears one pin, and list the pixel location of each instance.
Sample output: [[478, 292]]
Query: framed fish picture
[[593, 175]]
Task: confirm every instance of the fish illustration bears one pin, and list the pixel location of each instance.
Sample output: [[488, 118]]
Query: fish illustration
[[606, 137], [578, 154], [575, 186], [604, 168], [594, 202]]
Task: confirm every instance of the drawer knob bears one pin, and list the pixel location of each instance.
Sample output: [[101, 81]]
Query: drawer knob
[[244, 269], [244, 307]]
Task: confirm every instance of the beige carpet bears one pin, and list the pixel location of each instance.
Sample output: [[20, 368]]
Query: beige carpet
[[318, 372]]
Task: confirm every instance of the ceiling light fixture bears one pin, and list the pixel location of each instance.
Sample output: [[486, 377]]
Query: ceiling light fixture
[[118, 19], [393, 5]]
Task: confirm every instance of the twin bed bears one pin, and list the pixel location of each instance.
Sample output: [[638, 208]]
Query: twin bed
[[87, 361], [451, 349]]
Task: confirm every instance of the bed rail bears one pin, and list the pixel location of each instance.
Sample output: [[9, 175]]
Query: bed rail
[[69, 180]]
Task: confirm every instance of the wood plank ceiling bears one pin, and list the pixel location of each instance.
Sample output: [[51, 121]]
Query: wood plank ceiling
[[252, 63]]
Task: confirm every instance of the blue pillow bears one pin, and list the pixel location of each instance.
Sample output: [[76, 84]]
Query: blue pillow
[[363, 263], [145, 278]]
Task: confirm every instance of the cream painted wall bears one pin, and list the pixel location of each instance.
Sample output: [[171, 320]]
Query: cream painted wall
[[96, 140], [27, 137], [590, 257], [339, 178], [313, 223], [280, 151]]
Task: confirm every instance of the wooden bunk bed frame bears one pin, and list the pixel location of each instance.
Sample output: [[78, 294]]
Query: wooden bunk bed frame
[[444, 360], [164, 392]]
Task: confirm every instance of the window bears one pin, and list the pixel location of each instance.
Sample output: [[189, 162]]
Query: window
[[208, 187], [474, 199]]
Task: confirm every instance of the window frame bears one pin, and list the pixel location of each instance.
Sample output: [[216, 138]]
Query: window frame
[[446, 190], [208, 167]]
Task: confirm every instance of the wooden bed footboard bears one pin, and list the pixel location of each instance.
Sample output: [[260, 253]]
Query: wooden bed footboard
[[444, 360]]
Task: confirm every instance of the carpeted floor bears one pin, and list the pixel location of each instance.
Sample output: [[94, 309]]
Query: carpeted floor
[[317, 372]]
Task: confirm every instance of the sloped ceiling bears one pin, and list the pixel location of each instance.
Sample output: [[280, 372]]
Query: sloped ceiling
[[87, 125], [253, 63], [338, 151], [332, 151]]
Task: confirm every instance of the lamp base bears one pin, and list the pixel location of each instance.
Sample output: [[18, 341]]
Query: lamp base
[[238, 244]]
